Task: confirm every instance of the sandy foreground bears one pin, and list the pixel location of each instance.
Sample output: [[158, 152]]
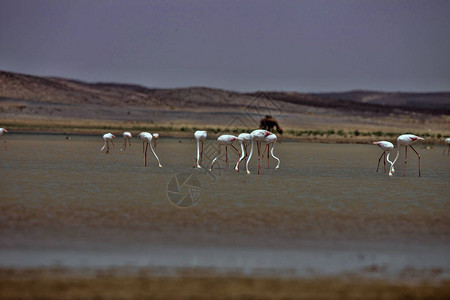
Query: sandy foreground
[[60, 283]]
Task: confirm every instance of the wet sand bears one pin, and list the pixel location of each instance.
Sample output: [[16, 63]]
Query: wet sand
[[324, 217], [57, 283]]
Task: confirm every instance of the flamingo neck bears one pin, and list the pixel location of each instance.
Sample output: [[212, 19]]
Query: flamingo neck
[[249, 157], [198, 151]]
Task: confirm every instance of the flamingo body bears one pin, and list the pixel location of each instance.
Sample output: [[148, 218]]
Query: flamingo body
[[447, 146], [386, 146], [3, 131], [147, 138], [200, 137], [126, 137], [107, 137], [406, 140], [155, 139], [224, 140], [257, 136]]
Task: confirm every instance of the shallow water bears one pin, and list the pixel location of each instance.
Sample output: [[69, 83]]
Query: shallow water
[[325, 210]]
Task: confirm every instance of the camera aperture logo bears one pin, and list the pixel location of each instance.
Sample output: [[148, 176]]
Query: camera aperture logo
[[184, 190]]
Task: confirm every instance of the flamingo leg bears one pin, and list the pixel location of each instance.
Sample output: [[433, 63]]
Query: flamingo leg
[[384, 161], [145, 154], [235, 149], [112, 143], [418, 156], [406, 154], [264, 152], [268, 158], [226, 158], [246, 154], [129, 142], [6, 147], [201, 155], [196, 161], [124, 146], [258, 145], [379, 160], [107, 147]]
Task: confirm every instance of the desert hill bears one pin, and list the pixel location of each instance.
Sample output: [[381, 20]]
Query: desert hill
[[24, 98]]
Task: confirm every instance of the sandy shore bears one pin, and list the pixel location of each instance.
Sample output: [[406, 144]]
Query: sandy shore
[[59, 283]]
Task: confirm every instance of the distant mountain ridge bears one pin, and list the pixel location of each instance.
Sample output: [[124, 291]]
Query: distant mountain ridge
[[21, 87], [407, 99]]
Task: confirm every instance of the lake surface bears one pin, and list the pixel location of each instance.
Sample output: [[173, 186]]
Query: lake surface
[[325, 211]]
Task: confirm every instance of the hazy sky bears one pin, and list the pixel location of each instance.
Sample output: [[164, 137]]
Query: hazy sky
[[304, 46]]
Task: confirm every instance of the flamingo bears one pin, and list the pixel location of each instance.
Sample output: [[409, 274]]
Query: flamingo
[[386, 146], [155, 139], [270, 140], [146, 138], [2, 131], [226, 140], [406, 140], [107, 137], [257, 136], [244, 139], [200, 136], [126, 137], [447, 147]]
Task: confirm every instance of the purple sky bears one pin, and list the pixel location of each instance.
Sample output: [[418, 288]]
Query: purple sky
[[304, 46]]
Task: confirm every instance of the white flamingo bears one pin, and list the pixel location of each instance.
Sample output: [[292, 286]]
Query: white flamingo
[[200, 136], [386, 146], [126, 137], [107, 137], [405, 140], [155, 139], [2, 131], [224, 140], [257, 136], [244, 139], [447, 147], [270, 140], [147, 138]]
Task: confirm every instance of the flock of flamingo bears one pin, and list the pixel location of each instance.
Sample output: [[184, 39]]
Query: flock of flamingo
[[259, 136]]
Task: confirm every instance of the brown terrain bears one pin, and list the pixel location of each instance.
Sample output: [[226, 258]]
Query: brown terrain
[[50, 104]]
